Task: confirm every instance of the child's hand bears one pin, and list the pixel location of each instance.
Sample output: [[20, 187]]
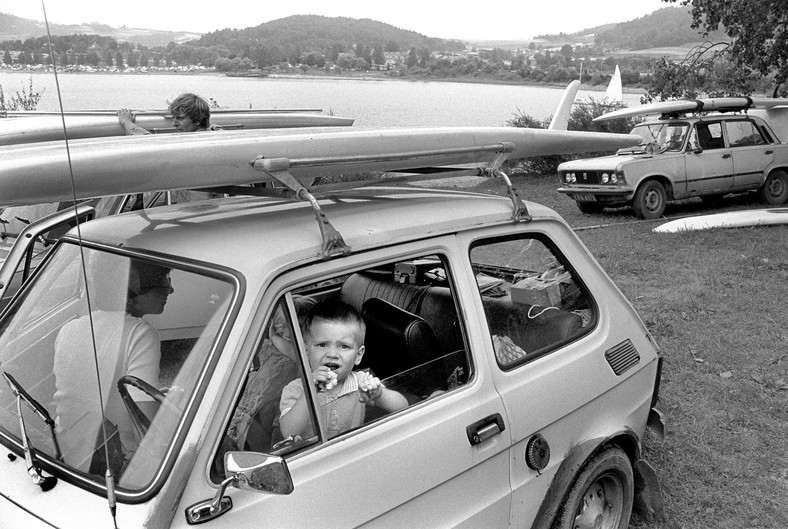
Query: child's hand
[[324, 378], [370, 388]]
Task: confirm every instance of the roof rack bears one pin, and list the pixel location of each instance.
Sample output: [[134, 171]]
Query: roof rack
[[333, 243]]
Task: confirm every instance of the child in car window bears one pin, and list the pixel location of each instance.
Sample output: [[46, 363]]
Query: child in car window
[[334, 337]]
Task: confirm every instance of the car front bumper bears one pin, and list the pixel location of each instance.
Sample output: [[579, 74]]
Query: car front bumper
[[598, 194]]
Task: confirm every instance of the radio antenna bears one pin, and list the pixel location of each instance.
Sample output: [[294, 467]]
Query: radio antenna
[[108, 476]]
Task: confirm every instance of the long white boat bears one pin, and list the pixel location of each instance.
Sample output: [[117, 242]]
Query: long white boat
[[44, 127], [41, 172]]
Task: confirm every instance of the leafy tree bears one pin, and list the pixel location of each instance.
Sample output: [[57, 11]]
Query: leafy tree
[[758, 32], [7, 57], [92, 58], [119, 60], [412, 59], [378, 57]]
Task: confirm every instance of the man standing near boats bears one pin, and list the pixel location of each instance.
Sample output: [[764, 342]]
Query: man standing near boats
[[190, 113]]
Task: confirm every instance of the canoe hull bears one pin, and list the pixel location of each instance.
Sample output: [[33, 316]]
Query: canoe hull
[[693, 105], [732, 219], [40, 172], [14, 131]]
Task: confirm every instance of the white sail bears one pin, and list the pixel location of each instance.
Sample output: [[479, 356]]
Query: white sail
[[614, 92]]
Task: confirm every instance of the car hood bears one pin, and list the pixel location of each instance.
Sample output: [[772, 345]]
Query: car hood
[[602, 163]]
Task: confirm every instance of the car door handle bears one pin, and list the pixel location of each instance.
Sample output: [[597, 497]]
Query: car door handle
[[726, 156], [484, 429], [768, 151]]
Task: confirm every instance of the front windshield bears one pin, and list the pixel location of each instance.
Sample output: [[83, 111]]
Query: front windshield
[[153, 327], [662, 137]]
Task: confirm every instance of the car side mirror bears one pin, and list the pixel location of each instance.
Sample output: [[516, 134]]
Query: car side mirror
[[697, 150], [261, 472], [246, 471]]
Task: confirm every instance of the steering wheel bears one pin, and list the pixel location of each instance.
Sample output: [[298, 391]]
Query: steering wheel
[[138, 418]]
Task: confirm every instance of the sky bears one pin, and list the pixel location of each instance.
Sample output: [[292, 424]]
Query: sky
[[493, 20]]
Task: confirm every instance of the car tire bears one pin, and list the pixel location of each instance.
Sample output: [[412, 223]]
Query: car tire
[[774, 190], [589, 207], [650, 200], [602, 495]]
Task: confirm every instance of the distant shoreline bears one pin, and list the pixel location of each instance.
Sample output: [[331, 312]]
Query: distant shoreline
[[360, 76]]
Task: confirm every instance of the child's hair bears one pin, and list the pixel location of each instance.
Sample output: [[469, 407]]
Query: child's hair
[[336, 310], [193, 106]]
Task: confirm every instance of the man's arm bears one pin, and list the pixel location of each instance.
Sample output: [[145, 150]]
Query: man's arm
[[126, 119]]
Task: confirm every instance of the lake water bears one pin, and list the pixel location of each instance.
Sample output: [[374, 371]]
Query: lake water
[[372, 102]]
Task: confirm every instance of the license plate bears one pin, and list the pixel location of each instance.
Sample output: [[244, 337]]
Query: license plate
[[585, 198]]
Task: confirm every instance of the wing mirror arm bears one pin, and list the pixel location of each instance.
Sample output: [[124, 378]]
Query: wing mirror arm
[[245, 471]]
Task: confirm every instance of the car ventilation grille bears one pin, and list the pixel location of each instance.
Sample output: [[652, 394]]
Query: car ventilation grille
[[588, 177], [622, 356]]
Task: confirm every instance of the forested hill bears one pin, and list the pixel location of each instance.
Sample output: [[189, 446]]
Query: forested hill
[[17, 28], [666, 27], [669, 26], [314, 32]]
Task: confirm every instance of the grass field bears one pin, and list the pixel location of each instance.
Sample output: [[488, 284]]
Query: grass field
[[716, 302]]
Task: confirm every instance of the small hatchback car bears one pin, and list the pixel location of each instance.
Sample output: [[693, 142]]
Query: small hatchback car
[[499, 378]]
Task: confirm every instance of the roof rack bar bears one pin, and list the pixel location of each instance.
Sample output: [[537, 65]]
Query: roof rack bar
[[319, 190], [520, 211], [496, 148], [278, 169]]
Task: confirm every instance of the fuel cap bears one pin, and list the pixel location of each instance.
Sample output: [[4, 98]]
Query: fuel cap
[[537, 453]]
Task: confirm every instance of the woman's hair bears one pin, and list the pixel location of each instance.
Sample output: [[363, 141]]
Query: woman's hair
[[194, 107]]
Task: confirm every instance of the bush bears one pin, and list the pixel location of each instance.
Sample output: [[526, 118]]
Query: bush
[[24, 100], [581, 118]]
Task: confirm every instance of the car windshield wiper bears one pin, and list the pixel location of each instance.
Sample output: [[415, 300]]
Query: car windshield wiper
[[45, 482]]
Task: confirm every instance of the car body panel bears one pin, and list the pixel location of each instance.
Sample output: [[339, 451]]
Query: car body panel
[[416, 464]]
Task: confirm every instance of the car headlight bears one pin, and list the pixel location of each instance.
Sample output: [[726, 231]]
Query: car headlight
[[613, 178], [605, 178]]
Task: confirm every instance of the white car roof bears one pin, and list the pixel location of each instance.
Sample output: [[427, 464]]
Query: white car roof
[[235, 231]]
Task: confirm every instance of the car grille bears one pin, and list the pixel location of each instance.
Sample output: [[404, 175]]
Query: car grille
[[588, 177]]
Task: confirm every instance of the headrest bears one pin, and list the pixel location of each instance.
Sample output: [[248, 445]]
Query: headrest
[[396, 340]]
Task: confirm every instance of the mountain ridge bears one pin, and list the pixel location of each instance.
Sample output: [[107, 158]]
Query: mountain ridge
[[668, 26]]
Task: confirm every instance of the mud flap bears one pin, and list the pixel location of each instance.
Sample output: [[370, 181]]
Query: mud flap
[[648, 493]]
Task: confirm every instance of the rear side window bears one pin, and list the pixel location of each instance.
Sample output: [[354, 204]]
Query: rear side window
[[743, 133], [532, 299]]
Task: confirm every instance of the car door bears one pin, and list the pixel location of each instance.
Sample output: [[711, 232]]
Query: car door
[[708, 161], [751, 154], [440, 462], [549, 334]]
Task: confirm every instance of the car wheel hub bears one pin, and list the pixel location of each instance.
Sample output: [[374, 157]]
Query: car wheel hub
[[601, 508], [777, 187], [653, 200]]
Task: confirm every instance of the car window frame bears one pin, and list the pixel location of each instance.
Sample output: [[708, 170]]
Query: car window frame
[[312, 272], [550, 244]]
